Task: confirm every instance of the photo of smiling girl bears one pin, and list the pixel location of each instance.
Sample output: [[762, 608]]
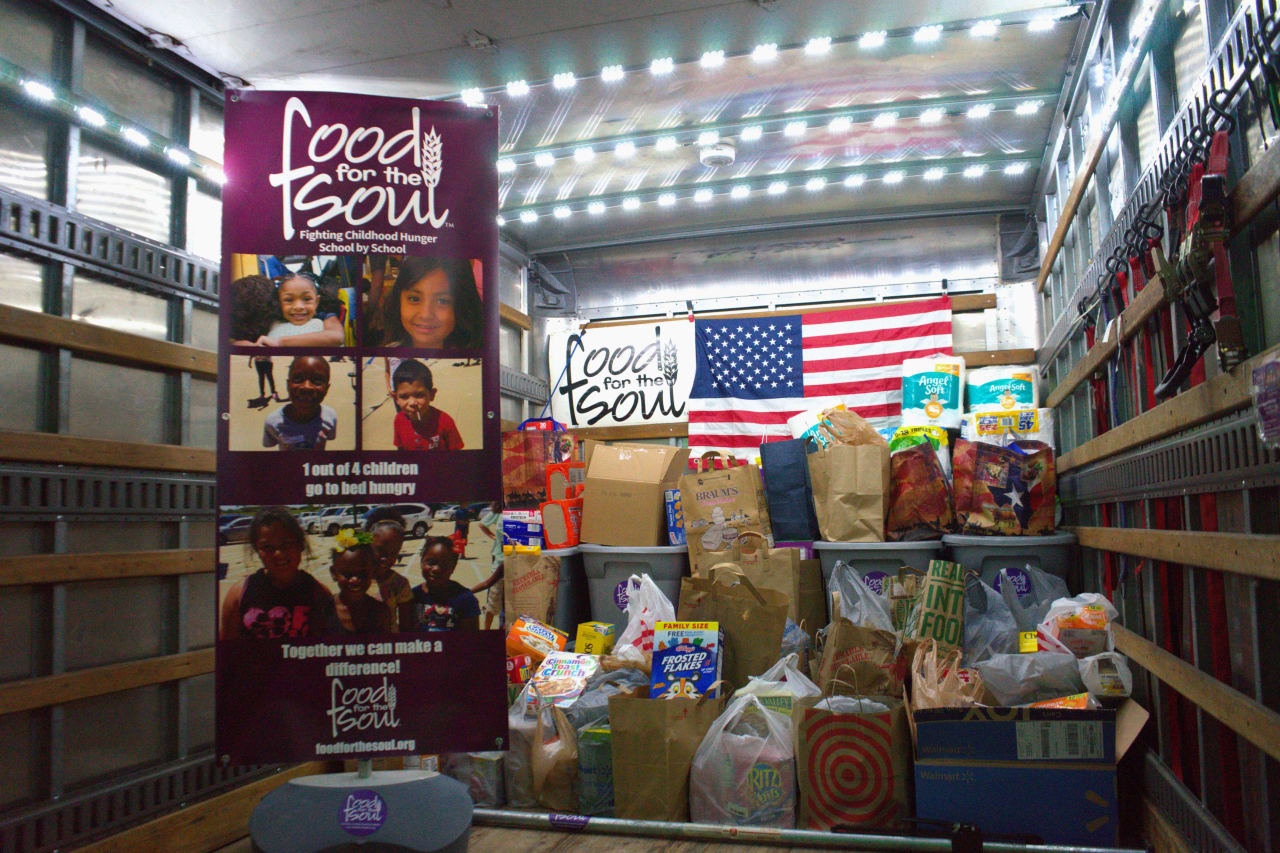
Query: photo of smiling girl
[[434, 304]]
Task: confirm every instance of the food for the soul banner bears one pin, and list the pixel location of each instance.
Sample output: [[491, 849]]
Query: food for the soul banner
[[359, 438], [618, 375]]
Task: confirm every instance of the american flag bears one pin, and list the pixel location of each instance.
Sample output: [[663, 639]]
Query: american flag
[[755, 373]]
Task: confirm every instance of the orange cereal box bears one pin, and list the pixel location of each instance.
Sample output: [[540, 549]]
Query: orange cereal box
[[530, 637]]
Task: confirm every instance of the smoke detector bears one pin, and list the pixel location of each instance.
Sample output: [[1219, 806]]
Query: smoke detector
[[719, 154]]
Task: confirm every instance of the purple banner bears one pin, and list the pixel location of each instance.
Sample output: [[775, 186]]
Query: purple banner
[[358, 410]]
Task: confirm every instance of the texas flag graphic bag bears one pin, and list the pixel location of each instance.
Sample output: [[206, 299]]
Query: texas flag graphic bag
[[1006, 491]]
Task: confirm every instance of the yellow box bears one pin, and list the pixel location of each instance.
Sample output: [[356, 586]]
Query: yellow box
[[595, 638]]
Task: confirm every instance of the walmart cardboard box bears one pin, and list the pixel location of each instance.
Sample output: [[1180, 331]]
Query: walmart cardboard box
[[972, 762], [623, 502]]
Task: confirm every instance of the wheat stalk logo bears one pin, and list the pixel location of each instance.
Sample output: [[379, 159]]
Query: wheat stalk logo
[[391, 697], [432, 166], [670, 369]]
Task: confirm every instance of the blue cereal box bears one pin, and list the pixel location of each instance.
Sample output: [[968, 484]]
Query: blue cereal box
[[687, 660], [675, 517], [521, 528]]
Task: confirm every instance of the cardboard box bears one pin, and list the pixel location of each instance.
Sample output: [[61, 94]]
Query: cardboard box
[[561, 523], [623, 499], [595, 638], [675, 517], [1064, 760], [521, 527]]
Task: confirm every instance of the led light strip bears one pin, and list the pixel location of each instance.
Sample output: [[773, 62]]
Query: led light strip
[[1036, 21], [772, 185], [53, 98], [837, 120]]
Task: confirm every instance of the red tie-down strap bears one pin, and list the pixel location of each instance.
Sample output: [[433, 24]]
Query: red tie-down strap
[[1097, 386], [1220, 649], [1137, 269]]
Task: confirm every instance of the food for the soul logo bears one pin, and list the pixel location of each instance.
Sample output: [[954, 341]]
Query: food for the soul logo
[[360, 708], [363, 812], [377, 172]]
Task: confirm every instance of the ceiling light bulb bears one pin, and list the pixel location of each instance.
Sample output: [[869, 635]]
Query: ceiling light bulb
[[564, 80], [135, 136], [777, 188], [765, 52], [631, 203], [840, 124], [662, 66], [624, 150], [585, 154], [708, 137], [854, 181], [665, 143], [1042, 24], [894, 177], [975, 171], [595, 208], [517, 89], [752, 132], [506, 165], [984, 29], [38, 90], [561, 211], [818, 46], [528, 216], [795, 128], [740, 191], [178, 156], [933, 115], [544, 159], [872, 40], [1015, 169], [979, 111], [91, 116], [216, 175], [927, 35], [473, 97], [666, 199], [702, 196], [612, 73], [885, 120], [1026, 108], [500, 219], [712, 59], [815, 184], [934, 174]]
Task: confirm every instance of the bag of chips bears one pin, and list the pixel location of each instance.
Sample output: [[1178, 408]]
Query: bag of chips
[[1008, 491]]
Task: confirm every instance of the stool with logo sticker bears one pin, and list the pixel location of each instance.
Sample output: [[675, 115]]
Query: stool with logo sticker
[[401, 809]]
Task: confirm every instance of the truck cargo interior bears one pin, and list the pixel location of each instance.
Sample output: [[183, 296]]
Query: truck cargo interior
[[892, 387]]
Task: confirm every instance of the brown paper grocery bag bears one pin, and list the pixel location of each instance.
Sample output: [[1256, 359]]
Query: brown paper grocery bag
[[939, 610], [529, 584], [653, 745], [938, 680], [555, 763], [850, 491], [751, 619], [720, 504], [852, 769], [784, 570], [862, 661]]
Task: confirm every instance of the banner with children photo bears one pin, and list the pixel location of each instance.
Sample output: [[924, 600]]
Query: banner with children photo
[[358, 435]]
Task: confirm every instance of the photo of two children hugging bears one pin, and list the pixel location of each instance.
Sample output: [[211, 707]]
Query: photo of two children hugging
[[422, 393], [273, 597]]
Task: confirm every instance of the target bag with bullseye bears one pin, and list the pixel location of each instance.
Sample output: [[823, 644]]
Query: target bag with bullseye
[[853, 769]]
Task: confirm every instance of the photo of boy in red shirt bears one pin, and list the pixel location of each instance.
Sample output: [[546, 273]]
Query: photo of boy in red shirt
[[419, 425]]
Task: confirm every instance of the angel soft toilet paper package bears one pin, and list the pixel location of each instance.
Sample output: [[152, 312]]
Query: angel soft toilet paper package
[[931, 391], [1002, 388]]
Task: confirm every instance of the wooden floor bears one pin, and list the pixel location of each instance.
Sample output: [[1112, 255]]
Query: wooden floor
[[495, 839]]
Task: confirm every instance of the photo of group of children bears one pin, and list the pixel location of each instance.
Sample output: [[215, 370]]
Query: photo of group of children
[[300, 571], [418, 302]]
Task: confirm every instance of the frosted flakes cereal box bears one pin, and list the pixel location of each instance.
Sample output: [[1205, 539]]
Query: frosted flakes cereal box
[[687, 660]]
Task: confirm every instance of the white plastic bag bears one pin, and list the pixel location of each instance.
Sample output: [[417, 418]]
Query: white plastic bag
[[780, 685], [795, 640], [1081, 624], [646, 604], [744, 772], [517, 770], [989, 627], [1029, 592], [859, 603], [1020, 679], [1107, 675], [858, 704]]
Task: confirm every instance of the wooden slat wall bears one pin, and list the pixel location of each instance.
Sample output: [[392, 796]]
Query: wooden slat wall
[[64, 449], [1247, 554], [70, 568], [28, 693]]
